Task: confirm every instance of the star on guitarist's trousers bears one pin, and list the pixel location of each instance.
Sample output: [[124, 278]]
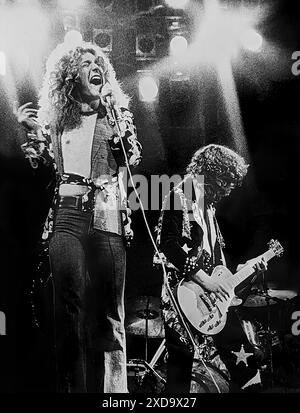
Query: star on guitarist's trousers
[[241, 356]]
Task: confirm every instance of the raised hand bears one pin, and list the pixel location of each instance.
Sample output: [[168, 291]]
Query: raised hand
[[26, 116]]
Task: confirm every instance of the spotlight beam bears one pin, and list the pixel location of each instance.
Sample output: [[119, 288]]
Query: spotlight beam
[[2, 63], [252, 40], [232, 107]]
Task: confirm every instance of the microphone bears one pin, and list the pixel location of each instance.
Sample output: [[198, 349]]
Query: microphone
[[108, 101]]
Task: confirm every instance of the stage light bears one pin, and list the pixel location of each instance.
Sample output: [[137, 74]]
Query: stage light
[[177, 4], [178, 45], [24, 35], [224, 30], [148, 87], [2, 64], [252, 40], [145, 45], [73, 38], [70, 21], [103, 39], [71, 4]]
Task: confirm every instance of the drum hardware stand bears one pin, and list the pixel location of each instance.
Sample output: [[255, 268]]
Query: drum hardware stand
[[150, 366], [158, 353], [269, 333], [148, 314], [155, 359]]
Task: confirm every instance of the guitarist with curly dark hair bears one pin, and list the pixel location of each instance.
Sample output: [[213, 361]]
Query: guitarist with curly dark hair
[[191, 245]]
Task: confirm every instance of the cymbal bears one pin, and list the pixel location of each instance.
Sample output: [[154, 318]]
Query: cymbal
[[141, 311], [138, 328], [282, 294], [261, 298], [256, 300]]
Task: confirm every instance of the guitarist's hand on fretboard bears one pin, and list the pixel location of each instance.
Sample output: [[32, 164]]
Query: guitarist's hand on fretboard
[[259, 265]]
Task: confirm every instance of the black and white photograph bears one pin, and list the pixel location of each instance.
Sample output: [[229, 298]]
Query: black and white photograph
[[149, 182]]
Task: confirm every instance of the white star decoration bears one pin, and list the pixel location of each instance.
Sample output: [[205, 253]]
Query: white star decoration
[[241, 356], [186, 248]]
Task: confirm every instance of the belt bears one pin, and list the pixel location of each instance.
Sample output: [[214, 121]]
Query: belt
[[74, 202]]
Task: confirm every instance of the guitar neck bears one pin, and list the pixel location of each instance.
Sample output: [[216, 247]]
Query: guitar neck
[[248, 270]]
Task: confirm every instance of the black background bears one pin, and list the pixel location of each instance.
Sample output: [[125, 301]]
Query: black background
[[265, 207]]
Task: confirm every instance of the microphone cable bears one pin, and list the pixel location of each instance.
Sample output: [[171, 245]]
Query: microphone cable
[[166, 282]]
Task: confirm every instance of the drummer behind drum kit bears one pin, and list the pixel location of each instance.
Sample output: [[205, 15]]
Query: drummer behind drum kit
[[265, 318]]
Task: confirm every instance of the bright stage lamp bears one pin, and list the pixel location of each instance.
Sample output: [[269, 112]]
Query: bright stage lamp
[[73, 37], [2, 64], [71, 4], [148, 88], [252, 40], [177, 4], [178, 45]]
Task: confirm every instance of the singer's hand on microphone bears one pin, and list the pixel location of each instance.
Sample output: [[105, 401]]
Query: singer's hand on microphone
[[107, 97]]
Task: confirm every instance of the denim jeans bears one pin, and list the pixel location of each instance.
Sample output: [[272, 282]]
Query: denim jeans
[[88, 268]]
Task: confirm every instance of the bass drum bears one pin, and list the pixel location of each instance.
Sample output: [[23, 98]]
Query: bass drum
[[208, 379]]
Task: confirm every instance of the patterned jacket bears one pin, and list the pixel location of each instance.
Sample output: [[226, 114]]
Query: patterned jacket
[[180, 241], [45, 147]]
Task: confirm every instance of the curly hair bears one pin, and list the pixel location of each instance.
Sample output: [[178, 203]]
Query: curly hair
[[218, 163], [57, 106]]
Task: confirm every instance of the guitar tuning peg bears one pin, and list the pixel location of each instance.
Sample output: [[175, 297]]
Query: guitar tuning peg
[[276, 247]]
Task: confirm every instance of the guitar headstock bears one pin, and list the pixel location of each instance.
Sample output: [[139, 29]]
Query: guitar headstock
[[276, 247]]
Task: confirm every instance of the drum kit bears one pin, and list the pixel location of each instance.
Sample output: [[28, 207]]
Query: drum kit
[[265, 318], [144, 319], [259, 298]]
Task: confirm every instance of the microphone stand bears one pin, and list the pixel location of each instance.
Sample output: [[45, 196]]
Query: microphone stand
[[115, 117]]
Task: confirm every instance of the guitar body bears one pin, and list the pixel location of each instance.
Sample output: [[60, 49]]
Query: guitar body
[[208, 322], [193, 299]]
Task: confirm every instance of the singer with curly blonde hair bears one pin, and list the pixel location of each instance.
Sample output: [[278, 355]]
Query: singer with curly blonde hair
[[84, 128]]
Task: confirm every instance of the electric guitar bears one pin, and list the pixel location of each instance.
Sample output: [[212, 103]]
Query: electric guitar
[[189, 294]]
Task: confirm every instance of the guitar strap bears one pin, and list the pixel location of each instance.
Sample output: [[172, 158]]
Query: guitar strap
[[212, 235], [219, 257], [200, 219], [206, 219], [211, 243]]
